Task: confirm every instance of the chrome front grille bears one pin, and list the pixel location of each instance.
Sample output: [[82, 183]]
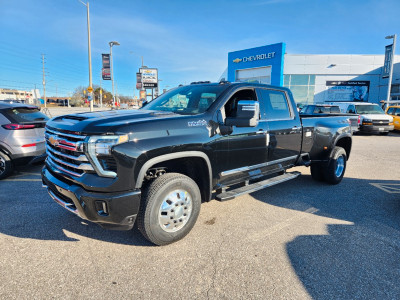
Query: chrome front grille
[[380, 122], [65, 152]]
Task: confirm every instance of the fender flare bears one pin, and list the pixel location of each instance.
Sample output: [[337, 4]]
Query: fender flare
[[155, 160], [344, 135]]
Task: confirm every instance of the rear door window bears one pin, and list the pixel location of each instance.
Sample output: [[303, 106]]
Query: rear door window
[[25, 115], [274, 104]]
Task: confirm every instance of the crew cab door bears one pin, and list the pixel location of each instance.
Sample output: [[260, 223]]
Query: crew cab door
[[247, 146], [284, 126]]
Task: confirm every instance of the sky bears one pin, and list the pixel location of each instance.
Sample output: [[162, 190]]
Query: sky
[[186, 40]]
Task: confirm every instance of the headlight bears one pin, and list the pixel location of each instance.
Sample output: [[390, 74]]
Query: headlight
[[101, 146], [367, 122]]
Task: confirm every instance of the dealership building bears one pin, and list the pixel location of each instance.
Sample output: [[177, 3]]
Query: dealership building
[[315, 78]]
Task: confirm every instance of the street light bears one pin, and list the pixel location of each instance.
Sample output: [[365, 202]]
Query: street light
[[389, 37], [113, 43], [90, 55]]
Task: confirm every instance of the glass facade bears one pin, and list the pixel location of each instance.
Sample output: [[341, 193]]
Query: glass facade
[[302, 87]]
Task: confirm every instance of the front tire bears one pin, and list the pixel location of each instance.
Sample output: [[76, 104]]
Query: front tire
[[6, 166], [169, 209], [334, 171]]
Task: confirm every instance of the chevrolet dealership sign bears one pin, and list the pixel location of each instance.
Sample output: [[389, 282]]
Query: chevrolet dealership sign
[[268, 57], [255, 57]]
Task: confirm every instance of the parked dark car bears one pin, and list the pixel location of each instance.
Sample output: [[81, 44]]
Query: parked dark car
[[21, 136]]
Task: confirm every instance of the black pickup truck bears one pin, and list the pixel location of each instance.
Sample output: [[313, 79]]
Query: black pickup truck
[[157, 164]]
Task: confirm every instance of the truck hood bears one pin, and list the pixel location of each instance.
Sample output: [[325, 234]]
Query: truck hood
[[377, 117], [106, 121]]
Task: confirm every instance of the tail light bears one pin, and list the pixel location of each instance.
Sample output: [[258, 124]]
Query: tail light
[[17, 126], [359, 120], [28, 145]]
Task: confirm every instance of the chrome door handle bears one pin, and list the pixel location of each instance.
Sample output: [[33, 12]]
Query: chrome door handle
[[261, 131]]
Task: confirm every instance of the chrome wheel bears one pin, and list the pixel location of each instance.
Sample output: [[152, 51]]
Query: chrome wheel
[[2, 165], [339, 166], [175, 210]]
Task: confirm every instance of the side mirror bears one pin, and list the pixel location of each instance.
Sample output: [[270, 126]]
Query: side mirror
[[247, 114]]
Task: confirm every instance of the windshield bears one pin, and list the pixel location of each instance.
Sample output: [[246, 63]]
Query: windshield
[[369, 109], [187, 100]]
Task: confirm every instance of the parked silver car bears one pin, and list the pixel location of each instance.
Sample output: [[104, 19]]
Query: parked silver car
[[21, 136]]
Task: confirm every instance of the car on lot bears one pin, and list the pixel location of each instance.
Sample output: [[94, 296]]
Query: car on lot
[[394, 112], [21, 136], [372, 118], [320, 109]]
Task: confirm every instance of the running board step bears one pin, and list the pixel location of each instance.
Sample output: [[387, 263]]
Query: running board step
[[229, 195]]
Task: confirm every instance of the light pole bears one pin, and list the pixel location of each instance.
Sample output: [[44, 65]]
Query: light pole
[[391, 68], [90, 56], [113, 43]]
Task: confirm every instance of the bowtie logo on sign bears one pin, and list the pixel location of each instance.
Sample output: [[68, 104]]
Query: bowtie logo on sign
[[255, 57]]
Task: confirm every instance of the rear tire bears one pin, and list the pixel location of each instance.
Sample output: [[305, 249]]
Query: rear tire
[[169, 208], [336, 167], [6, 166]]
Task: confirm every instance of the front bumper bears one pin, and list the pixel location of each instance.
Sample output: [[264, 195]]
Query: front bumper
[[376, 128], [116, 211]]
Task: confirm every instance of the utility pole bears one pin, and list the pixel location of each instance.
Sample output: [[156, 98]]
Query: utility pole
[[44, 83]]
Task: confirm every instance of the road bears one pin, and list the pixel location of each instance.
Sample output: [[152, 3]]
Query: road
[[297, 240]]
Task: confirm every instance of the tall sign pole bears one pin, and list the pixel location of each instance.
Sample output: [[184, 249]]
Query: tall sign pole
[[90, 88], [90, 60], [112, 76], [44, 83], [101, 91]]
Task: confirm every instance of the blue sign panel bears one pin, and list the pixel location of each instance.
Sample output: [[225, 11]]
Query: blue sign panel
[[271, 56]]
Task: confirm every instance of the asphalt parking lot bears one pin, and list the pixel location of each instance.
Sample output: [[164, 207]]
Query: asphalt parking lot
[[297, 240]]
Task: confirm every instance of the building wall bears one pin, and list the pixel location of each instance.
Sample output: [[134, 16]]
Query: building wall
[[27, 96], [341, 68]]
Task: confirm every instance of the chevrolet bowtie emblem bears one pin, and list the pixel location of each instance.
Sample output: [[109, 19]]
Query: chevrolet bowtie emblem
[[53, 141], [237, 60]]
